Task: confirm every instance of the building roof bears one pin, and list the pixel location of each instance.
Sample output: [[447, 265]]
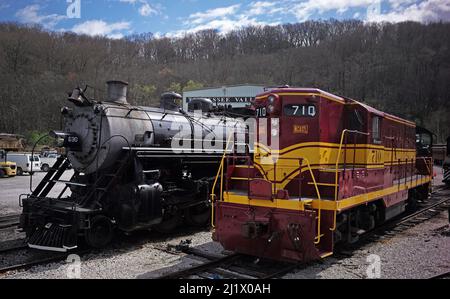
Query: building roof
[[226, 86]]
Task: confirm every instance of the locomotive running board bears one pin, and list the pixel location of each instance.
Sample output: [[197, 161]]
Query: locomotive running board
[[56, 249], [46, 248], [178, 151]]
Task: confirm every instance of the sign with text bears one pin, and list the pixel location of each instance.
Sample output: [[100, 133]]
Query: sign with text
[[222, 100]]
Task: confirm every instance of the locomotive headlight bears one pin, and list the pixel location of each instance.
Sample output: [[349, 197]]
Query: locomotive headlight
[[59, 142], [270, 109], [274, 132], [271, 100]]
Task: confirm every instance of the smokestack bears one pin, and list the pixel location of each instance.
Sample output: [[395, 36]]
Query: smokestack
[[117, 91]]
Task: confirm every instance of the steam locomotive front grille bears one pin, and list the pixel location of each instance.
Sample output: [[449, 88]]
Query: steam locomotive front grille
[[53, 237]]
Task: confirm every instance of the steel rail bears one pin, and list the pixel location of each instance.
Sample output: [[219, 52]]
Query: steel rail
[[444, 275], [390, 224], [201, 268], [7, 221], [19, 245], [39, 261]]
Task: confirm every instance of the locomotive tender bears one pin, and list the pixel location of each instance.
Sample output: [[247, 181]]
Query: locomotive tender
[[325, 169], [134, 168]]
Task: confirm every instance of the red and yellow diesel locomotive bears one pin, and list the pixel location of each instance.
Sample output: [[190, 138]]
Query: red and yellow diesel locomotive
[[325, 169]]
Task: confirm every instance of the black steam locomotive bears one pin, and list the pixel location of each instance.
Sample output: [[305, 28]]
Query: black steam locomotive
[[134, 168]]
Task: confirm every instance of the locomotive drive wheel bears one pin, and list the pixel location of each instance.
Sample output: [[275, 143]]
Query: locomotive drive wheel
[[198, 215], [101, 232]]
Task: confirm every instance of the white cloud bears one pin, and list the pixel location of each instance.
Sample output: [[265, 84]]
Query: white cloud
[[101, 28], [304, 10], [201, 17], [30, 14], [271, 12], [398, 10], [226, 19], [397, 3], [426, 11], [147, 10], [261, 8], [223, 25]]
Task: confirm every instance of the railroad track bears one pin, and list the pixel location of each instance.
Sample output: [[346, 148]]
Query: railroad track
[[391, 228], [39, 259], [12, 245], [444, 275], [226, 267], [27, 257], [32, 263], [233, 266], [8, 221]]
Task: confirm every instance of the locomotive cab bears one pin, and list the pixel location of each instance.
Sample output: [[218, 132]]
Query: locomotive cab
[[424, 142]]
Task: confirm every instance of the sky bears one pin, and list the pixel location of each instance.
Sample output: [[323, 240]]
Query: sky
[[172, 18]]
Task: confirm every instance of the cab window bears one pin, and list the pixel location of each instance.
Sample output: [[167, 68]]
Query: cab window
[[356, 121], [376, 134], [423, 140]]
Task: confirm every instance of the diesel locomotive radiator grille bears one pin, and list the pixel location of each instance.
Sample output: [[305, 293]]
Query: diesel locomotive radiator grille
[[53, 237]]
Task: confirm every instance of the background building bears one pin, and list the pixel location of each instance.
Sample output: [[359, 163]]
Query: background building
[[238, 96]]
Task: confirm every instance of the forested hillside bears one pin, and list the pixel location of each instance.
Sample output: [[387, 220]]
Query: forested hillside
[[401, 68]]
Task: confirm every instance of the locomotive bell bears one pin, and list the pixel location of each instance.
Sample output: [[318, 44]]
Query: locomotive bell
[[117, 91], [170, 101]]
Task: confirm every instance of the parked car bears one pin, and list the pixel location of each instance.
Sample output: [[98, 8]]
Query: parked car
[[48, 161], [7, 168], [25, 163]]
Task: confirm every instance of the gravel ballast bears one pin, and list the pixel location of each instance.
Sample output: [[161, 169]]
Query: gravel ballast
[[418, 252]]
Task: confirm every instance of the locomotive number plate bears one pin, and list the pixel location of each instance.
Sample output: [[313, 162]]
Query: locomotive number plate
[[301, 129]]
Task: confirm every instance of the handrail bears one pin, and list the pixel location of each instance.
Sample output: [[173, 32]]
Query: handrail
[[337, 166], [317, 238], [426, 161], [220, 170], [339, 156]]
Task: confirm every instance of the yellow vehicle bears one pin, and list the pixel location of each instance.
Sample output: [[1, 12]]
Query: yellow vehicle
[[7, 169], [9, 142]]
